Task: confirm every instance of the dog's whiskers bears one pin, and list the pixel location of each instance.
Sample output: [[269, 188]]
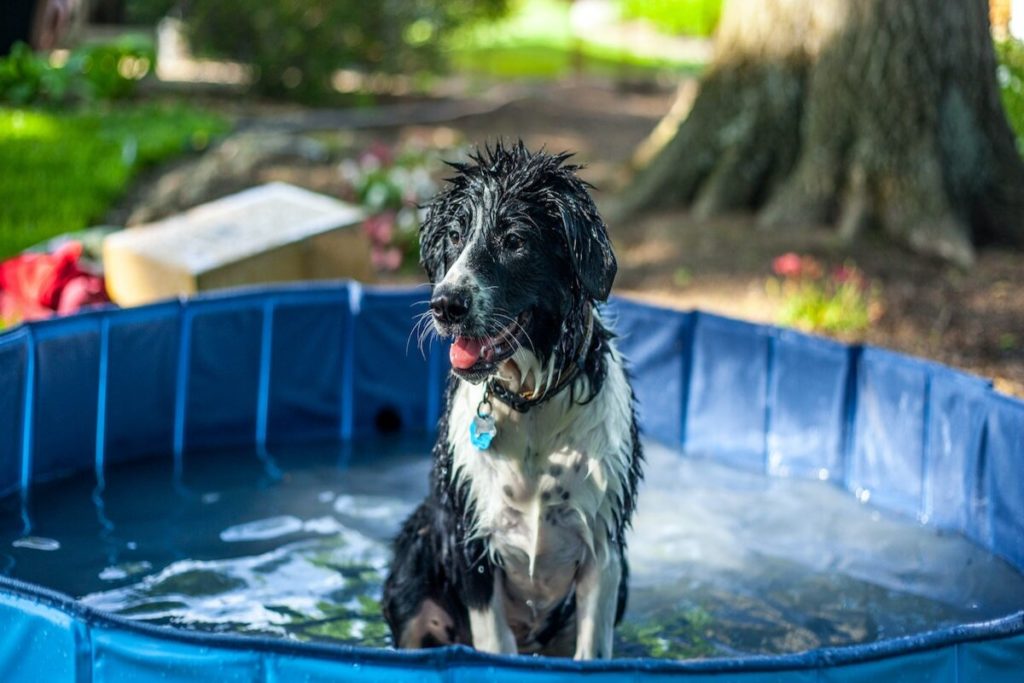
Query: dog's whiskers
[[518, 325], [422, 329]]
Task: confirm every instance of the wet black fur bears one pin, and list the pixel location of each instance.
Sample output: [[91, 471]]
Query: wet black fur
[[566, 260], [569, 266]]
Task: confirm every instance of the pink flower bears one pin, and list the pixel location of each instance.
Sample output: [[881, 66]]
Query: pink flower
[[849, 273], [378, 152], [787, 265], [380, 228]]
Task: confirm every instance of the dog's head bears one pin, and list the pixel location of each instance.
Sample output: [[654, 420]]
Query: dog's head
[[517, 253]]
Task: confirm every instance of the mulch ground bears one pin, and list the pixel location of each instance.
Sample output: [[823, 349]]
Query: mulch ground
[[973, 320]]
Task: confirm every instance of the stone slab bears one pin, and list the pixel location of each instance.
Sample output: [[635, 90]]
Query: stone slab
[[271, 233]]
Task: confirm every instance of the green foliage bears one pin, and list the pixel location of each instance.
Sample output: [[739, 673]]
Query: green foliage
[[1011, 85], [390, 184], [148, 11], [61, 170], [97, 71], [838, 302], [296, 45], [686, 17]]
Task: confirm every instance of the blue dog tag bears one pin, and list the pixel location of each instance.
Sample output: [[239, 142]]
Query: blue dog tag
[[482, 431]]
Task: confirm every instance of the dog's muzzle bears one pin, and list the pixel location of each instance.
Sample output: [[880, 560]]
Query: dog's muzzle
[[477, 348]]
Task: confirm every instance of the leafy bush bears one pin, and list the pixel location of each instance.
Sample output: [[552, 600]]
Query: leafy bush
[[841, 301], [296, 45], [687, 17], [1011, 85], [98, 71], [140, 12], [391, 183], [61, 170]]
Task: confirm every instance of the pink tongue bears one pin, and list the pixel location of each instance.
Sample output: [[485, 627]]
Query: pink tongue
[[465, 352]]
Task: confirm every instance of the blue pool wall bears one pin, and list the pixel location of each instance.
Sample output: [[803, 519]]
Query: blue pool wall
[[313, 362]]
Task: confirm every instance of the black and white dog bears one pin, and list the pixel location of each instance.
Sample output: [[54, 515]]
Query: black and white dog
[[519, 546]]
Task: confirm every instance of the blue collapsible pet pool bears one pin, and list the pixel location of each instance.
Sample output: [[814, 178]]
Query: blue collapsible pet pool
[[262, 368]]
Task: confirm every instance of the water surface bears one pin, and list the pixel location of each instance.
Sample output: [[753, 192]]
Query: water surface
[[723, 562]]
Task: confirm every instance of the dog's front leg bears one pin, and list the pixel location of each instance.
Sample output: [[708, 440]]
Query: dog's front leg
[[489, 625], [597, 586]]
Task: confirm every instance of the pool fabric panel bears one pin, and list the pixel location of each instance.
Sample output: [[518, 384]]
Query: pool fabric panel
[[67, 380], [807, 399], [655, 344], [887, 458], [331, 361], [727, 413], [954, 498], [15, 348], [39, 643], [1003, 480], [307, 368], [223, 374], [391, 369], [142, 356]]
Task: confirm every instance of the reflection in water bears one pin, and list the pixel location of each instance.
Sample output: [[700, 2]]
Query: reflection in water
[[320, 588], [36, 543], [723, 562]]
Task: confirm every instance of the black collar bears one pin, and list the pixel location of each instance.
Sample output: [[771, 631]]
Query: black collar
[[567, 376]]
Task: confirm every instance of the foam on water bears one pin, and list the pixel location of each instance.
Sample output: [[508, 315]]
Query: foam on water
[[723, 562]]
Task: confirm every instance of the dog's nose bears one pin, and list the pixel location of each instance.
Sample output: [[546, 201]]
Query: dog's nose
[[450, 306]]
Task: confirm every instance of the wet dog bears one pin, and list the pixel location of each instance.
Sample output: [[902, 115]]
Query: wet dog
[[520, 543]]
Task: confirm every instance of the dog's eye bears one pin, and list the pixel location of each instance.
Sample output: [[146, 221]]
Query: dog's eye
[[455, 237], [513, 241]]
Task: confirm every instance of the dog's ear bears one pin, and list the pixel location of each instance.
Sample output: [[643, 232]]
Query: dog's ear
[[432, 236], [590, 249]]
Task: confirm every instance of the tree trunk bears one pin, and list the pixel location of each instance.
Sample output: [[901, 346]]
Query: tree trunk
[[857, 113]]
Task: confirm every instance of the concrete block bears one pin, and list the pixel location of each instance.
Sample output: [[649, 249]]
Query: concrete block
[[271, 233]]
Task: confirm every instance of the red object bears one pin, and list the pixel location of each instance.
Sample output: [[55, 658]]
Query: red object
[[38, 285], [794, 265], [787, 265]]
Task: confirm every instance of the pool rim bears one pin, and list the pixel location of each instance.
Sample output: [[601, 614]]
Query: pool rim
[[888, 648]]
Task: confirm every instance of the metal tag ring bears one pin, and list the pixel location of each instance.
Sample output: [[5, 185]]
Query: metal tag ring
[[480, 408]]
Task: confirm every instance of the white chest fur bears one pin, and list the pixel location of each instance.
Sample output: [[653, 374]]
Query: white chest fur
[[546, 492]]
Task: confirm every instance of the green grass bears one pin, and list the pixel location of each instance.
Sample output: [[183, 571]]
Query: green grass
[[1011, 85], [536, 41], [60, 171], [552, 62], [685, 17]]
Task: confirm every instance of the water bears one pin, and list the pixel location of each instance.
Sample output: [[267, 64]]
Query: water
[[724, 562]]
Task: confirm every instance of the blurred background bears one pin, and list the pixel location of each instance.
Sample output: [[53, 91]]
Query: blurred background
[[701, 123]]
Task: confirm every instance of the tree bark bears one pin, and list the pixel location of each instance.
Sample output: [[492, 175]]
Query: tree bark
[[855, 113]]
